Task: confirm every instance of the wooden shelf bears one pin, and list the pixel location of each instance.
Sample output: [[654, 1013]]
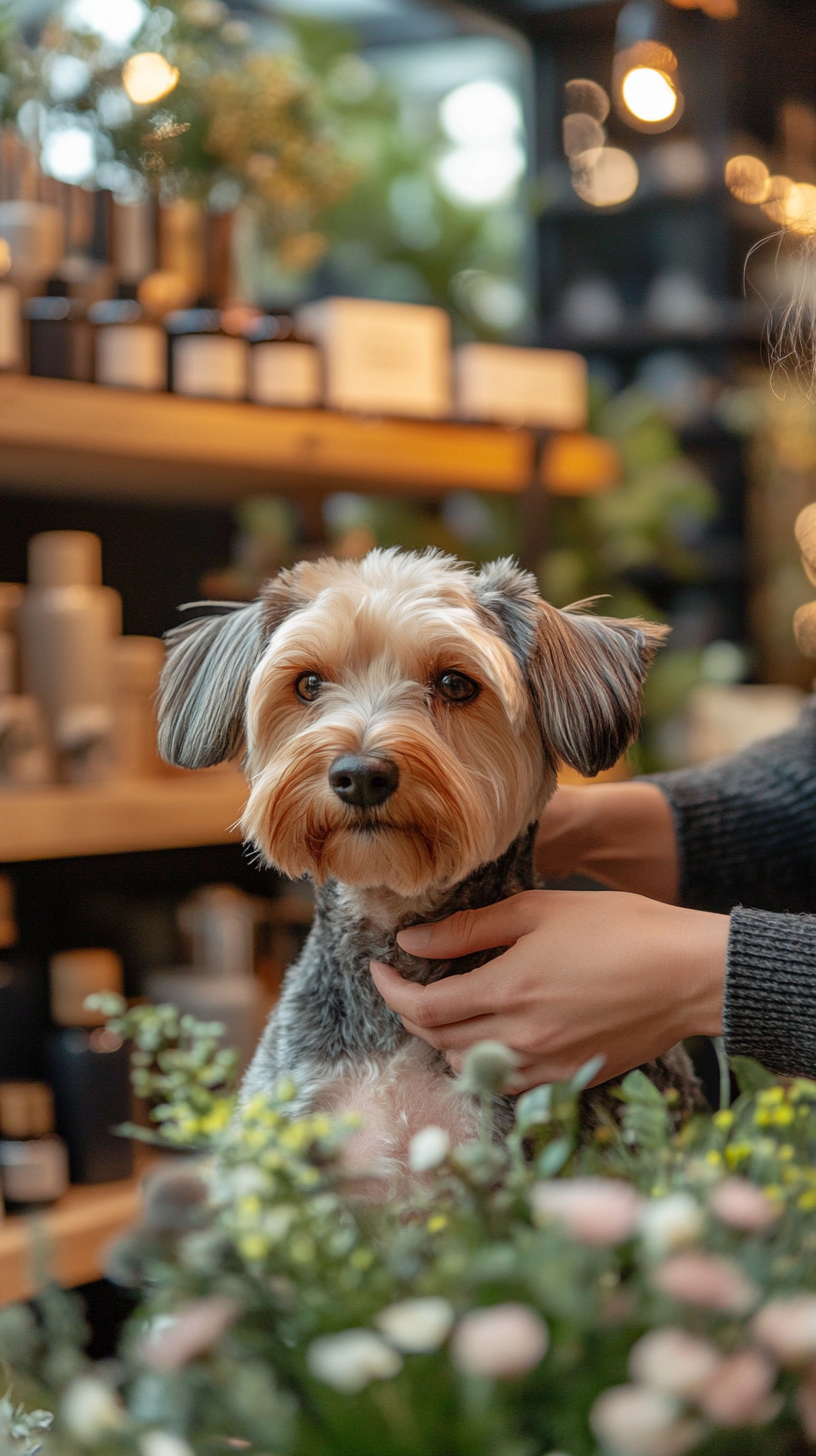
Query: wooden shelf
[[118, 818], [76, 1232], [59, 437]]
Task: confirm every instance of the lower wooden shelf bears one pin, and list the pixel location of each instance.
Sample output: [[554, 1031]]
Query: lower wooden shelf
[[117, 818], [74, 1236]]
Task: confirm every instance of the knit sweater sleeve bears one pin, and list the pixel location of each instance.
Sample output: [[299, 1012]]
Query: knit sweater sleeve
[[746, 825], [746, 834]]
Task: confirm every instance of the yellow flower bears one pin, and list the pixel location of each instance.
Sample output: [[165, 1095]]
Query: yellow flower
[[783, 1116], [786, 1152], [217, 1118], [763, 1118], [436, 1223], [775, 1192], [249, 1206], [807, 1201], [252, 1247], [723, 1120], [713, 1158], [361, 1258], [770, 1096], [736, 1152]]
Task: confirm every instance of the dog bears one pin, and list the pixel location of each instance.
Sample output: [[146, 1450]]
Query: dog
[[402, 719]]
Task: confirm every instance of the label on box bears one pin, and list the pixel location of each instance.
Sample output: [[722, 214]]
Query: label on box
[[131, 356], [285, 374], [383, 358], [543, 387], [213, 366]]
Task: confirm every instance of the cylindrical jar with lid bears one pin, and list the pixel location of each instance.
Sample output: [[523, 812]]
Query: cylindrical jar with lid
[[136, 664], [33, 1160], [284, 369], [66, 623], [130, 351], [60, 338], [205, 360]]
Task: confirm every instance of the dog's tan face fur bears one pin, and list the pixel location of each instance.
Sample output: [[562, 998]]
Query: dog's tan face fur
[[379, 635]]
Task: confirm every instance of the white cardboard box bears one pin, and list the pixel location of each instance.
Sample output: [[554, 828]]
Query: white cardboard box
[[544, 387], [382, 358]]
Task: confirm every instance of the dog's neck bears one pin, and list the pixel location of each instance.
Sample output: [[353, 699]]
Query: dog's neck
[[379, 914]]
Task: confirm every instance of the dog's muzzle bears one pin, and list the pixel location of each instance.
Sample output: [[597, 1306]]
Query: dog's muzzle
[[362, 780]]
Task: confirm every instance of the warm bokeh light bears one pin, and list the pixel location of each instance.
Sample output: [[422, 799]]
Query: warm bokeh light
[[649, 94], [800, 209], [5, 257], [747, 179], [775, 205], [605, 176], [586, 96], [147, 77]]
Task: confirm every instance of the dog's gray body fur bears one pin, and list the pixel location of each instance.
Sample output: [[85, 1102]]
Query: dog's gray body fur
[[331, 1020]]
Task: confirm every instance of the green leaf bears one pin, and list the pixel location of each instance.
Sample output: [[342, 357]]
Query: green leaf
[[534, 1109], [554, 1157], [751, 1077], [646, 1121], [586, 1073]]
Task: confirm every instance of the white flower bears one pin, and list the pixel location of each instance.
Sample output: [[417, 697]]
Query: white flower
[[673, 1361], [416, 1325], [163, 1443], [671, 1223], [633, 1421], [602, 1211], [787, 1327], [350, 1360], [501, 1342], [427, 1149], [90, 1410]]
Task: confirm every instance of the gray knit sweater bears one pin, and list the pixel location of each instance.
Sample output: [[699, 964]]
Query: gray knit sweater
[[746, 831]]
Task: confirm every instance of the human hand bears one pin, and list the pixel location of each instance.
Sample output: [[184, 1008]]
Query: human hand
[[586, 973], [620, 834]]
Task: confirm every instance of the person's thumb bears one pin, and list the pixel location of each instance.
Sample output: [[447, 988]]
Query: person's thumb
[[471, 930]]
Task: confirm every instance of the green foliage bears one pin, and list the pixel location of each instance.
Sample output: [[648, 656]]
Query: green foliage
[[299, 1311]]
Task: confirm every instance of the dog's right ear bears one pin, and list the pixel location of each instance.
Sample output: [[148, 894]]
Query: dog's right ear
[[203, 688]]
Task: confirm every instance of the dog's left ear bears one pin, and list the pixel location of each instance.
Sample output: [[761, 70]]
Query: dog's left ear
[[584, 672]]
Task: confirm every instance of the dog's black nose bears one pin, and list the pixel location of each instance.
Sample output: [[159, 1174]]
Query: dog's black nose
[[361, 779]]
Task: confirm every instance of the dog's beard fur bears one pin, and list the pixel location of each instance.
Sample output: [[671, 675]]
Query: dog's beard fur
[[472, 776]]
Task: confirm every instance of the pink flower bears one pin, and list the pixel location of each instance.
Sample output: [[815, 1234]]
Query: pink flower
[[737, 1394], [706, 1280], [499, 1343], [632, 1420], [601, 1211], [673, 1361], [190, 1330], [742, 1205], [787, 1327]]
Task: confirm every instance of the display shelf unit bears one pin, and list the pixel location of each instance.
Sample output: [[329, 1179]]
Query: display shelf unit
[[60, 822], [73, 1235], [62, 438]]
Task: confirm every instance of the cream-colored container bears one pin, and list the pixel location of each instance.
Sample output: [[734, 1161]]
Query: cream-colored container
[[210, 366], [33, 1161], [11, 331], [382, 358], [285, 374], [136, 664], [546, 388], [76, 974], [66, 623], [35, 233]]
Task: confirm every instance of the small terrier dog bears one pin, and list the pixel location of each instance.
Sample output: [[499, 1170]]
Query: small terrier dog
[[402, 718]]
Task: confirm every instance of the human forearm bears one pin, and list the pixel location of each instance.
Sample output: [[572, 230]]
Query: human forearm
[[620, 834], [770, 992]]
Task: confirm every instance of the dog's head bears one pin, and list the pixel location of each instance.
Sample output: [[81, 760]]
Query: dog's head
[[402, 716]]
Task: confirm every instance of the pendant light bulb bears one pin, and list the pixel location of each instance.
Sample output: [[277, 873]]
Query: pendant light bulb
[[147, 77], [649, 94]]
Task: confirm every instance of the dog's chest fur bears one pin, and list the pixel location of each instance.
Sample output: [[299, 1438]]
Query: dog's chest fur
[[344, 1049]]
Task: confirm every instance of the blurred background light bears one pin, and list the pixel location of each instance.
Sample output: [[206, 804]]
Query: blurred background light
[[649, 94], [608, 177], [747, 179], [147, 77], [476, 176], [115, 20], [69, 152], [68, 77], [480, 111]]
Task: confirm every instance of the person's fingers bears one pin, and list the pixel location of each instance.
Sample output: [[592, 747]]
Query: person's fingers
[[473, 930], [459, 1035], [480, 994]]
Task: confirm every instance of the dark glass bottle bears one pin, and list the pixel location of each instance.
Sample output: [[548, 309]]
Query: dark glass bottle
[[60, 338], [88, 1068], [23, 998]]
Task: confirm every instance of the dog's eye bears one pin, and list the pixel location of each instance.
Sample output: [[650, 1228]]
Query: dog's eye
[[308, 686], [456, 687]]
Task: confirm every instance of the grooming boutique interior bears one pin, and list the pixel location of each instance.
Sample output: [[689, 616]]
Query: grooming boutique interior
[[521, 278]]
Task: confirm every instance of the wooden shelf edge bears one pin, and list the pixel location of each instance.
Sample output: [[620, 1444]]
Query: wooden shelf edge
[[121, 817], [73, 1235], [59, 435]]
